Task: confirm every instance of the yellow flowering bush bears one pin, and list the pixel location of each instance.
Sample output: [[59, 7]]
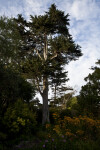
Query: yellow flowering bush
[[56, 116], [57, 129], [79, 132], [81, 126], [19, 119], [47, 126], [69, 134]]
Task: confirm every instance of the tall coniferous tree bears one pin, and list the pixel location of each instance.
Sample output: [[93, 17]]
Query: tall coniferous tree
[[47, 47]]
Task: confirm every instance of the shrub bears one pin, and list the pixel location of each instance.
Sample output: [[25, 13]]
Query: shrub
[[77, 127], [18, 119]]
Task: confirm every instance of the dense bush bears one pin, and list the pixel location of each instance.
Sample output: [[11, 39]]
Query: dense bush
[[18, 119], [77, 127]]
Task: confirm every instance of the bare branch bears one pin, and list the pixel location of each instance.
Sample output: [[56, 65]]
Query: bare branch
[[39, 55], [53, 56], [45, 48]]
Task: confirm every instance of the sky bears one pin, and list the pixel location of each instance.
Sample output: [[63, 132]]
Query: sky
[[84, 28]]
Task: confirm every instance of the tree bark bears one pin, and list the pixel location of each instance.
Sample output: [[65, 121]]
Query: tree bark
[[45, 53], [45, 107]]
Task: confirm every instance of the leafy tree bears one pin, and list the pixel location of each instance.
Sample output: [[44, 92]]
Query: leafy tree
[[12, 84], [19, 119], [72, 103], [12, 87], [61, 102], [89, 98], [9, 42], [46, 48]]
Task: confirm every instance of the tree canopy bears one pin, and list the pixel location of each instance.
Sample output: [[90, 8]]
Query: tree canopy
[[9, 41], [89, 98], [13, 87]]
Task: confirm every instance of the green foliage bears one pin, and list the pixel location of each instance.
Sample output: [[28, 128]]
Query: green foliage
[[72, 103], [47, 45], [18, 119], [89, 98], [66, 112], [12, 87], [3, 136], [9, 41]]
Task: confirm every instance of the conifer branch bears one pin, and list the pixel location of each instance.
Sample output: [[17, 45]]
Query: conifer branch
[[53, 56], [39, 54]]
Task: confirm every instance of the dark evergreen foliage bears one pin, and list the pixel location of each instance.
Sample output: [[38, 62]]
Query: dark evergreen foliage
[[46, 48], [89, 98], [13, 87]]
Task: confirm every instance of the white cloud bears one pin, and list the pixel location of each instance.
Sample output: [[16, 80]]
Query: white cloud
[[35, 7], [32, 7], [84, 10], [85, 16], [11, 8]]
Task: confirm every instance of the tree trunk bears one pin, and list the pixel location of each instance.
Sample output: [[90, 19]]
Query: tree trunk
[[45, 107]]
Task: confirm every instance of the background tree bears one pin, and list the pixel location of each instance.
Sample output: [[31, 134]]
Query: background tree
[[9, 42], [47, 47], [89, 98], [13, 87], [61, 98]]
